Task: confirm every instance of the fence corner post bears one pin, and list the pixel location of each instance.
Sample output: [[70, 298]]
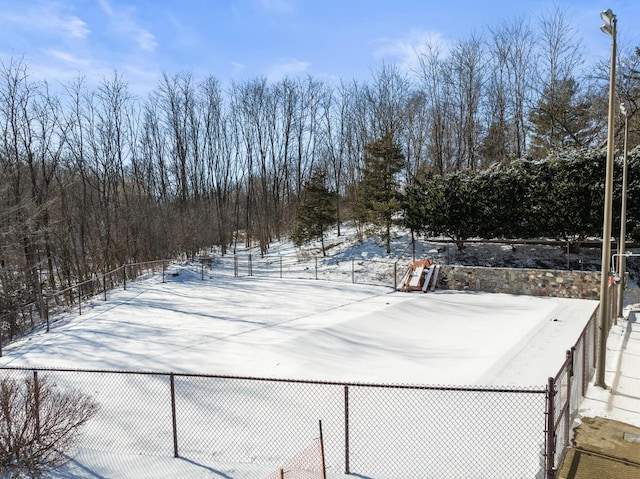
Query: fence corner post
[[550, 440]]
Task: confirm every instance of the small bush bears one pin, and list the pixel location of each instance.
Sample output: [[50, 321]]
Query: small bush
[[38, 425]]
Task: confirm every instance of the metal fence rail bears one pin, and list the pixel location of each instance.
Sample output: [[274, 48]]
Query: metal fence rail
[[371, 430]]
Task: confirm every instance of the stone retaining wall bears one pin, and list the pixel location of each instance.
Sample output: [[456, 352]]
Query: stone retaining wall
[[532, 282]]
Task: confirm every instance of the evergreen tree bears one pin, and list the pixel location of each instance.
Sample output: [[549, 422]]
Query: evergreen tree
[[447, 205], [504, 201], [562, 119], [379, 190], [460, 211], [316, 212]]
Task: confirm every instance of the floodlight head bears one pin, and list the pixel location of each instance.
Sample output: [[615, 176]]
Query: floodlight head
[[623, 109], [609, 20], [607, 16]]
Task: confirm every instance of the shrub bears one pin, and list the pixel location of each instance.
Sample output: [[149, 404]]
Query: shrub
[[39, 423]]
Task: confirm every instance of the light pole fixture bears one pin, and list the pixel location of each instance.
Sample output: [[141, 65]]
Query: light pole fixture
[[623, 216], [609, 28]]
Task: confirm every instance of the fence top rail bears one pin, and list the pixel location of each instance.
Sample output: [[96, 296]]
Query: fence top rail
[[119, 268], [296, 256], [581, 339], [515, 390], [18, 309], [77, 285], [564, 369]]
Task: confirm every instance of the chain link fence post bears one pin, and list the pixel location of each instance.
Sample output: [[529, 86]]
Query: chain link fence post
[[395, 274], [36, 402], [550, 431], [346, 430], [568, 419], [174, 422]]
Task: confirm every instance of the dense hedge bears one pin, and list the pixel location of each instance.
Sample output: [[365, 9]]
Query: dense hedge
[[559, 197]]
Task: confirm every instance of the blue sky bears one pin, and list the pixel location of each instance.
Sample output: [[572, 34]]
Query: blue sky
[[240, 39]]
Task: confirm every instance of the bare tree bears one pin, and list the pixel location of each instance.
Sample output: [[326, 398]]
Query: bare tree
[[559, 57], [254, 110], [387, 97], [511, 49], [218, 167], [335, 132], [29, 153], [415, 135], [431, 74], [467, 78]]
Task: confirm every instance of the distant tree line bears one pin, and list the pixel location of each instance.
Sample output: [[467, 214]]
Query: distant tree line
[[95, 177]]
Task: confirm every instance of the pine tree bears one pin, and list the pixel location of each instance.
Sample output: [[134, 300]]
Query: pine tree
[[379, 190], [316, 213], [562, 118]]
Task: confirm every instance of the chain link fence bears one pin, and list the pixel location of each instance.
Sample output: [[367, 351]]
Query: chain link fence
[[380, 431], [567, 389], [300, 266], [370, 430], [25, 319]]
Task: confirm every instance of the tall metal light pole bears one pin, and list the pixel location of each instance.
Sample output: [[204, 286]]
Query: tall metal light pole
[[623, 216], [609, 28]]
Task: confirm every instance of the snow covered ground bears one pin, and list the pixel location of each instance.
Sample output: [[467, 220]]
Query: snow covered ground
[[301, 329], [215, 323], [620, 401], [316, 330]]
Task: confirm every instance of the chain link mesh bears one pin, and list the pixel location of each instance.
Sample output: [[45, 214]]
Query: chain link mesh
[[252, 420], [570, 386], [377, 431], [307, 464], [446, 433], [561, 412], [362, 271]]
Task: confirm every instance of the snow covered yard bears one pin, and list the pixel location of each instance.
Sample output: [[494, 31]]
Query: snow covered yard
[[308, 330], [316, 330]]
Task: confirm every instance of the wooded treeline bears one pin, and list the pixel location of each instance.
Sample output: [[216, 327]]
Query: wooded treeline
[[94, 177]]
